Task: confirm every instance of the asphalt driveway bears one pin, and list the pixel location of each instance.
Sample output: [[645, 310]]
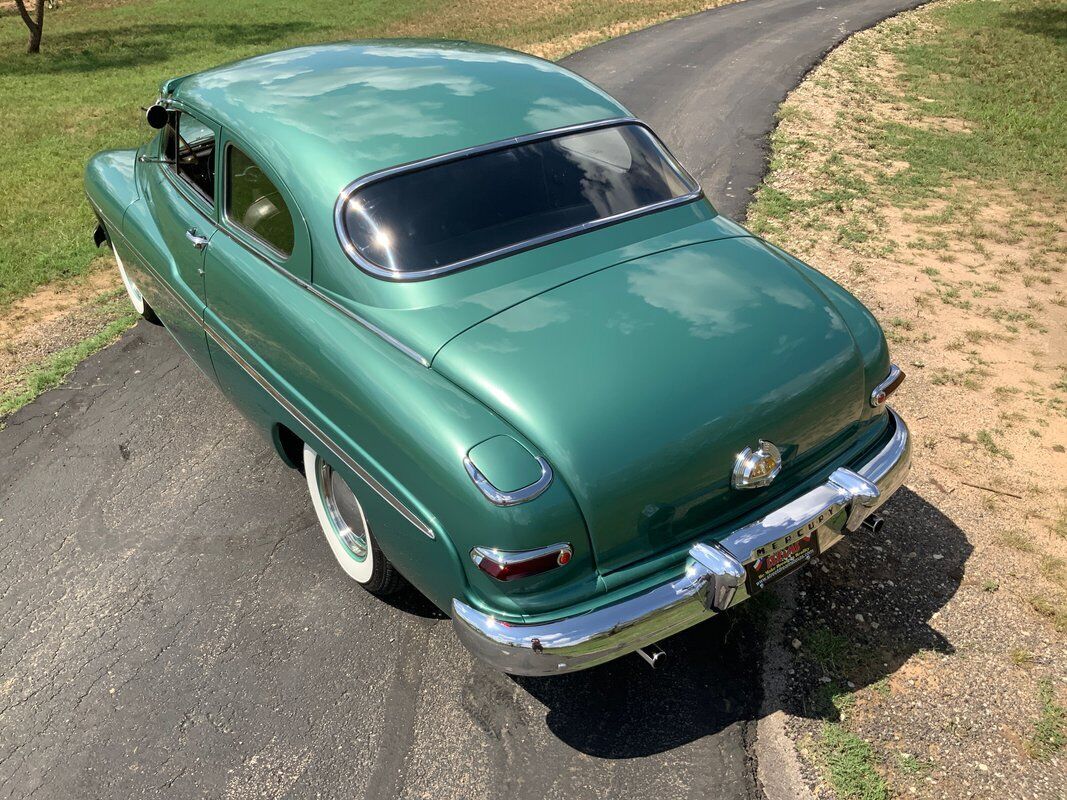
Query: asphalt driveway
[[174, 624]]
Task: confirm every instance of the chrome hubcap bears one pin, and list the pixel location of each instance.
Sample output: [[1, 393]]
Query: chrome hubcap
[[344, 512]]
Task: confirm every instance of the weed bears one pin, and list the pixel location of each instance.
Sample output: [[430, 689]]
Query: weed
[[1050, 730], [985, 438], [1016, 541], [850, 765], [1054, 569], [1021, 657], [911, 765], [1052, 609], [828, 649], [50, 373]]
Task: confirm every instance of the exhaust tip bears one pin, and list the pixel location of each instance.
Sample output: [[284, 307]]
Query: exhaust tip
[[873, 523], [653, 654]]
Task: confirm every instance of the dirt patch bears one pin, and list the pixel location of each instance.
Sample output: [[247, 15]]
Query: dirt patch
[[54, 318], [953, 617], [533, 27], [565, 45]]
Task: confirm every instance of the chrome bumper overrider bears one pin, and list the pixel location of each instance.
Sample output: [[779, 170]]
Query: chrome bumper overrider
[[713, 580]]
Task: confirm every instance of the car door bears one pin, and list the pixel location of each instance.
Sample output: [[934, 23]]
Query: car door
[[253, 269], [183, 201]]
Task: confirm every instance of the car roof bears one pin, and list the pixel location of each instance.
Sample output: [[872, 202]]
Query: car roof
[[327, 114]]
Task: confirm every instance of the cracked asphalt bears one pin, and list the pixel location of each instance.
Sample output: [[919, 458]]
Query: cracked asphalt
[[174, 625]]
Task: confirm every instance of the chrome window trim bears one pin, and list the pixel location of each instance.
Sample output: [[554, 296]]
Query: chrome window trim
[[411, 353], [378, 271], [191, 195], [265, 255], [224, 209], [414, 355], [523, 495], [184, 185]]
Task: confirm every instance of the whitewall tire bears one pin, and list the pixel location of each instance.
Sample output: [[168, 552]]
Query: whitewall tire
[[136, 298], [345, 525]]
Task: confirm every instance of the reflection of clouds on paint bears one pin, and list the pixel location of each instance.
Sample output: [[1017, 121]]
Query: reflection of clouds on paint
[[713, 304], [307, 83], [534, 314], [625, 324], [350, 96], [503, 346], [550, 112], [472, 54], [788, 296], [342, 110], [837, 325], [499, 297]]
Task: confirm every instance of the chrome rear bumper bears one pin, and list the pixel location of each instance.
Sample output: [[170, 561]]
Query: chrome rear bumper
[[713, 580]]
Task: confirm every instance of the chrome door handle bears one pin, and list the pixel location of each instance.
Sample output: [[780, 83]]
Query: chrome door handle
[[199, 242]]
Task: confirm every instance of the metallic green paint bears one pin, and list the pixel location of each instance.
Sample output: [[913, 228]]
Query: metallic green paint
[[638, 358], [642, 382], [505, 463]]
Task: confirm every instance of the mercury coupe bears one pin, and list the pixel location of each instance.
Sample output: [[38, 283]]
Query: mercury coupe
[[521, 360]]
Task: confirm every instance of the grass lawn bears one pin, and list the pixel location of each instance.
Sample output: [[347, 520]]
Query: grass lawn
[[923, 165], [984, 99], [103, 59]]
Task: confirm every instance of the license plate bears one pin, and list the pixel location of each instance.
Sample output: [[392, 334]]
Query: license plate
[[778, 558]]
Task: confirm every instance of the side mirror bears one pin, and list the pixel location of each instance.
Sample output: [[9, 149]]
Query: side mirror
[[156, 116]]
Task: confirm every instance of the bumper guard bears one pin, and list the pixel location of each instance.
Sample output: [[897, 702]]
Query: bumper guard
[[713, 580]]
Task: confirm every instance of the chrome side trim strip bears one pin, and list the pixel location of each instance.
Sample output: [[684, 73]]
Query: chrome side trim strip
[[394, 275], [357, 468], [414, 355], [353, 465], [713, 579], [523, 495]]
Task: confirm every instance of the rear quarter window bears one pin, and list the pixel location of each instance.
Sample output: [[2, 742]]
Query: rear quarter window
[[254, 203]]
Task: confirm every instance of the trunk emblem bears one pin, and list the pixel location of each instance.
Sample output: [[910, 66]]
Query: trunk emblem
[[755, 468]]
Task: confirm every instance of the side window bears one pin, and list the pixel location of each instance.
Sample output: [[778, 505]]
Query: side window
[[255, 204], [190, 144]]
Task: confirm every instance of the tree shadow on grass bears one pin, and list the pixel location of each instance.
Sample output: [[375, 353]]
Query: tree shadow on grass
[[134, 45], [712, 677], [1049, 21]]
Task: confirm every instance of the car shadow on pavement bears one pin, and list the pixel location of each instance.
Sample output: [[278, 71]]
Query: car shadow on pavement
[[411, 601], [858, 614]]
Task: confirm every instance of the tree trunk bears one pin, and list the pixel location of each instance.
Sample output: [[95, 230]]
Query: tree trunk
[[35, 24]]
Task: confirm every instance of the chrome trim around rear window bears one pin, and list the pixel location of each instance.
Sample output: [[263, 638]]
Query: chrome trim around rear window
[[394, 275]]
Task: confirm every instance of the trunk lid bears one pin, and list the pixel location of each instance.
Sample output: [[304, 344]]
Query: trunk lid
[[641, 382]]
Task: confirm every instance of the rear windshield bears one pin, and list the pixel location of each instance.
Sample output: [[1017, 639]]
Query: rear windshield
[[431, 219]]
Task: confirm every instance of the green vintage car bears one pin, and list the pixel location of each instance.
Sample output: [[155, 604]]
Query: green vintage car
[[521, 360]]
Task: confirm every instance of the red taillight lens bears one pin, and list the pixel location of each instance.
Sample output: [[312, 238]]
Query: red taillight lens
[[509, 565], [887, 387]]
